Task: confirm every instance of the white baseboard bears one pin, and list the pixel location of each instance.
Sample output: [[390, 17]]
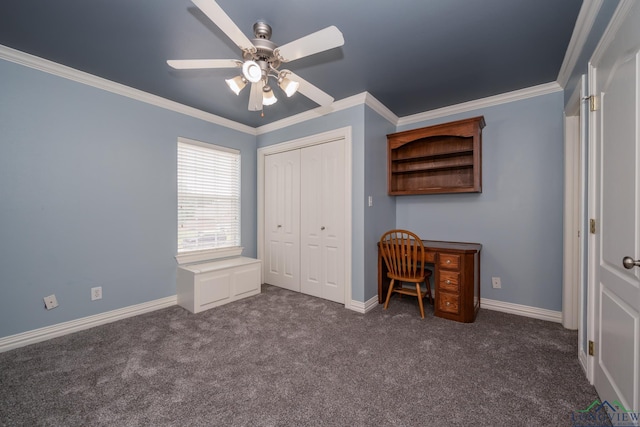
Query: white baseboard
[[522, 310], [48, 332], [364, 307]]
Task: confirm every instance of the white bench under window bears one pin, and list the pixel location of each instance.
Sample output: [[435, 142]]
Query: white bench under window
[[211, 284]]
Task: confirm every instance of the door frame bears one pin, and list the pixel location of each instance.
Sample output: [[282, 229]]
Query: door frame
[[571, 263], [575, 280], [592, 261], [307, 141]]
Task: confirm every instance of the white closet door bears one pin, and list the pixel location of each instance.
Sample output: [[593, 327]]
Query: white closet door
[[322, 220], [282, 220]]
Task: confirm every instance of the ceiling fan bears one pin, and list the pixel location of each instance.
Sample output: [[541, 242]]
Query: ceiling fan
[[262, 59]]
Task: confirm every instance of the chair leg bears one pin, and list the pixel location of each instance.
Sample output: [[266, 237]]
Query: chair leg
[[429, 291], [420, 300], [386, 303]]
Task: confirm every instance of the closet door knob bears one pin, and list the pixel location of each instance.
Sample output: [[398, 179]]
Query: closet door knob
[[279, 226], [322, 228], [629, 262]]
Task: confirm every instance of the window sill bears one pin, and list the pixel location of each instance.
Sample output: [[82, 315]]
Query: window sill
[[208, 255]]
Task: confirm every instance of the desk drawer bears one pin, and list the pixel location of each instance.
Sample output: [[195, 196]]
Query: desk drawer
[[430, 257], [449, 281], [449, 261], [449, 303]]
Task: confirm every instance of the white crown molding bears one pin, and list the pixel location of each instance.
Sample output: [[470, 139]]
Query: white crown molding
[[584, 23], [365, 98], [381, 109], [69, 73], [369, 100], [342, 104], [362, 98], [610, 33], [522, 310], [48, 332], [491, 101]]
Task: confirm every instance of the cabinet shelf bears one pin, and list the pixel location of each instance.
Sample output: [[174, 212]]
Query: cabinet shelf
[[432, 168], [462, 152], [445, 158]]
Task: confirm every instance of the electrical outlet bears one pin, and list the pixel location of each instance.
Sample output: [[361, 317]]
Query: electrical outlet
[[50, 302], [497, 284], [96, 293], [370, 201]]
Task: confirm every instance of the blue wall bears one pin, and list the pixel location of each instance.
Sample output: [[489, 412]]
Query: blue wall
[[382, 215], [518, 216], [88, 197]]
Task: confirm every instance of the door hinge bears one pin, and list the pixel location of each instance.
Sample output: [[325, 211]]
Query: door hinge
[[592, 226], [593, 103], [591, 351]]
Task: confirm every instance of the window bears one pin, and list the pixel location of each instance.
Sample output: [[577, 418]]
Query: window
[[208, 197]]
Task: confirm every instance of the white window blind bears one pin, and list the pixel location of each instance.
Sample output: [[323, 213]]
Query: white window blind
[[208, 196]]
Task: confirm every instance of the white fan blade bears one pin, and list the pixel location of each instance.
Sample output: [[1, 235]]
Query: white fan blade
[[311, 91], [222, 20], [188, 64], [316, 42], [255, 99]]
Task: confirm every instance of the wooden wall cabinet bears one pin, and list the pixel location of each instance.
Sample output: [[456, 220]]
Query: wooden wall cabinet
[[445, 158]]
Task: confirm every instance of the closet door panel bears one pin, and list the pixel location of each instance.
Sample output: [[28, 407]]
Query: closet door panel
[[322, 221], [311, 220], [333, 207], [282, 219]]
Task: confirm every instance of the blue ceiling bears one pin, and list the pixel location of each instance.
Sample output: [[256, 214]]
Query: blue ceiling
[[411, 55]]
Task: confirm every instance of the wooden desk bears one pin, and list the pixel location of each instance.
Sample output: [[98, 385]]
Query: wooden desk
[[457, 278]]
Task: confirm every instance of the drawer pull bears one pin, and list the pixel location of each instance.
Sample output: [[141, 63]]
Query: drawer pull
[[448, 282], [448, 261], [447, 303]]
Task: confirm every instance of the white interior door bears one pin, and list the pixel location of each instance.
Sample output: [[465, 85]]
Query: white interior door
[[322, 221], [617, 289], [282, 220]]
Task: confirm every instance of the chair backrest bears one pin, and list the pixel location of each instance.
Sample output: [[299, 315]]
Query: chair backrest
[[403, 253]]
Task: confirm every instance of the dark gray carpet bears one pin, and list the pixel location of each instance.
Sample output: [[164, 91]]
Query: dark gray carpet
[[286, 359]]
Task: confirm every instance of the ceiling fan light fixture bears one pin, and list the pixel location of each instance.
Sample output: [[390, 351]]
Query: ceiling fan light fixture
[[268, 98], [288, 86], [261, 59], [252, 71], [236, 84]]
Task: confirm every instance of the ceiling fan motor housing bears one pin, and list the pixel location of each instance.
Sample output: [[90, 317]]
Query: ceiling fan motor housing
[[264, 47], [262, 30]]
